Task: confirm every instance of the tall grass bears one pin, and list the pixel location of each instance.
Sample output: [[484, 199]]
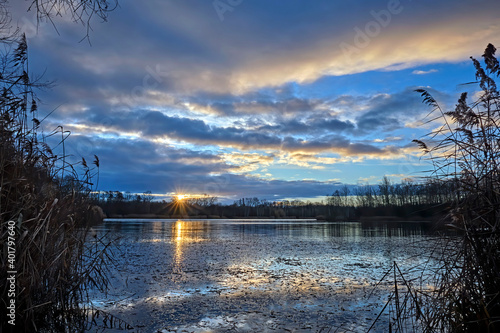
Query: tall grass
[[465, 151], [48, 199]]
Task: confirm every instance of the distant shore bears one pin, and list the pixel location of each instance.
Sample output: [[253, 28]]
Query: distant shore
[[312, 218]]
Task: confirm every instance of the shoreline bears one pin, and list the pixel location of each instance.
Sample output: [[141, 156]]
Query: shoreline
[[363, 219]]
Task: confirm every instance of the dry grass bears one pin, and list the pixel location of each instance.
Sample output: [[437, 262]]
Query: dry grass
[[48, 199], [465, 151]]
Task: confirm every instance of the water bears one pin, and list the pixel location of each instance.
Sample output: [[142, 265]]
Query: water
[[256, 275]]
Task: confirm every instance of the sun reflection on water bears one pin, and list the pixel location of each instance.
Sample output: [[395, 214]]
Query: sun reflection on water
[[183, 234], [178, 240]]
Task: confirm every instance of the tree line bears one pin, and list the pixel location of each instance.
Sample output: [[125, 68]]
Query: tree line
[[407, 200]]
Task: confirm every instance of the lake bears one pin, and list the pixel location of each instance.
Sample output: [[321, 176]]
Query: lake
[[256, 275]]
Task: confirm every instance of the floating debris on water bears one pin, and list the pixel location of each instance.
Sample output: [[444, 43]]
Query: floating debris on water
[[210, 276]]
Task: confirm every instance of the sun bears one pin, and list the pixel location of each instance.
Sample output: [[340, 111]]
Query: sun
[[181, 197]]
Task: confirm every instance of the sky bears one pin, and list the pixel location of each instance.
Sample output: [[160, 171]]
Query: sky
[[255, 98]]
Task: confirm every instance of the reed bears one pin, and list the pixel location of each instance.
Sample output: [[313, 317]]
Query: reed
[[48, 199], [464, 151]]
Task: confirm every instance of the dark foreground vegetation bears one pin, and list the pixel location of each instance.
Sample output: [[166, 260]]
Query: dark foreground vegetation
[[44, 216], [47, 264], [465, 150], [405, 201]]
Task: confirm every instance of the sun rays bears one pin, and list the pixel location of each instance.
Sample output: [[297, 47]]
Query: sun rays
[[181, 197]]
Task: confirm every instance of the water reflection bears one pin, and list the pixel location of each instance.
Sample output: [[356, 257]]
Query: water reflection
[[178, 243], [214, 229], [183, 233], [208, 268]]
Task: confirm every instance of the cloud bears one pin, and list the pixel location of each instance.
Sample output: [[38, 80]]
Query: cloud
[[247, 162], [277, 189], [141, 165], [155, 124], [310, 125], [169, 95], [313, 132], [198, 53], [420, 72], [390, 112]]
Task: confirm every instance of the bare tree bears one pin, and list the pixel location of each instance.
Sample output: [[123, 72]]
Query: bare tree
[[80, 11]]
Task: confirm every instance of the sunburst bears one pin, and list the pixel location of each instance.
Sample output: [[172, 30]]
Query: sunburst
[[181, 197]]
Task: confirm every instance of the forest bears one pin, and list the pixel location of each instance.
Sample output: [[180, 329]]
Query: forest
[[408, 200]]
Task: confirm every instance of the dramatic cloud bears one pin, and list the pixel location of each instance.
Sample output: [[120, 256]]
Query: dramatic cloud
[[257, 99], [182, 46]]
